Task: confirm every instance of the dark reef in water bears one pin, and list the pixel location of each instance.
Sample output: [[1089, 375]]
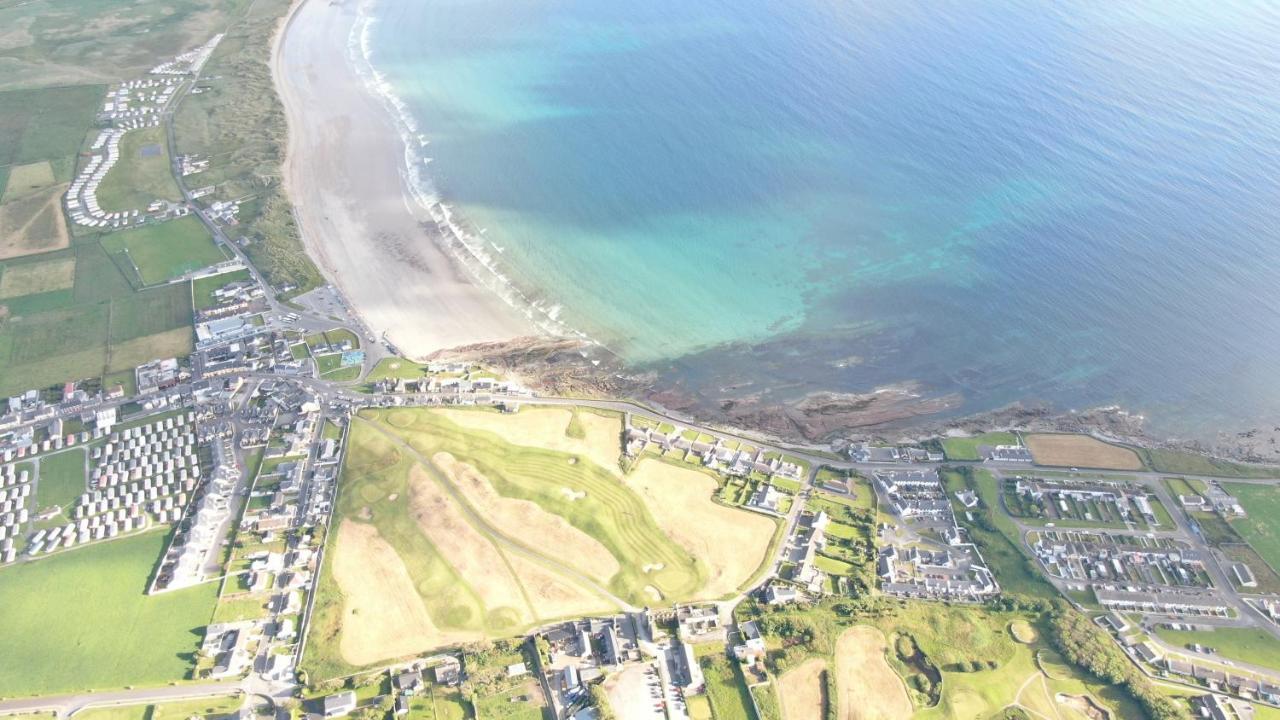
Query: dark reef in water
[[900, 412]]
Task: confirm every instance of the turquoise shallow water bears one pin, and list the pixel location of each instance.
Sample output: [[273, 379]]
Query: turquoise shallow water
[[1074, 203]]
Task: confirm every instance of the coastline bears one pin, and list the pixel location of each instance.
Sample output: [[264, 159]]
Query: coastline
[[358, 221]]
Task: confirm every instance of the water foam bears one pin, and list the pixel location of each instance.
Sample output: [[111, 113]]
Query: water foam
[[470, 249]]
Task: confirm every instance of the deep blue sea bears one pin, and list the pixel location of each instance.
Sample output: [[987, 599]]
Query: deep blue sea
[[1074, 202]]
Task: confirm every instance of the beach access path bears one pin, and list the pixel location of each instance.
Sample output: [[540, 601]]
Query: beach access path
[[358, 221]]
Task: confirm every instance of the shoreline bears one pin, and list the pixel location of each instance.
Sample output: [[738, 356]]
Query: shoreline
[[374, 228], [356, 216]]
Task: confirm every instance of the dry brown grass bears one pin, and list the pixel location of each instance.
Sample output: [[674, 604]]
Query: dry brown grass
[[1080, 451], [800, 691], [382, 615], [25, 179], [555, 596], [130, 353], [33, 224], [541, 530], [41, 277], [464, 547], [868, 688], [730, 543], [545, 428]]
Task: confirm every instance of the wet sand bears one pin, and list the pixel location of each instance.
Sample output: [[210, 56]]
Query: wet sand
[[358, 222]]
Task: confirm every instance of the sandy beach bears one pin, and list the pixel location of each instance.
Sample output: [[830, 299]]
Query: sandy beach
[[343, 174]]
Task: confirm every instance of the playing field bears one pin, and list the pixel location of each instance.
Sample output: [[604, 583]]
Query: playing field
[[1261, 503], [163, 251], [802, 691], [80, 620], [476, 536], [1080, 451]]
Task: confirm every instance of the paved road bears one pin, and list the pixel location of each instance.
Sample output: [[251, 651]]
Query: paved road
[[66, 705]]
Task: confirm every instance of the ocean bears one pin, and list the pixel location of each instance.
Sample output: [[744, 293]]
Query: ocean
[[1074, 203]]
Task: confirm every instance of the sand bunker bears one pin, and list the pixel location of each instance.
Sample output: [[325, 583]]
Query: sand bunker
[[546, 427], [382, 615], [545, 532], [464, 547], [730, 543], [868, 688], [801, 691]]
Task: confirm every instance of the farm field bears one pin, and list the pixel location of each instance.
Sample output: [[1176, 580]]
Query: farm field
[[44, 124], [966, 448], [33, 224], [427, 551], [163, 251], [1250, 645], [80, 42], [1080, 451], [74, 620], [37, 278], [96, 327], [1262, 504]]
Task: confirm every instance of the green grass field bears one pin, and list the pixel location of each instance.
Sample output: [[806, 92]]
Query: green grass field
[[967, 448], [80, 620], [97, 327], [62, 479], [997, 537], [67, 42], [202, 289], [163, 251], [726, 690], [1185, 463], [1262, 504], [46, 124], [1249, 645], [142, 175]]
